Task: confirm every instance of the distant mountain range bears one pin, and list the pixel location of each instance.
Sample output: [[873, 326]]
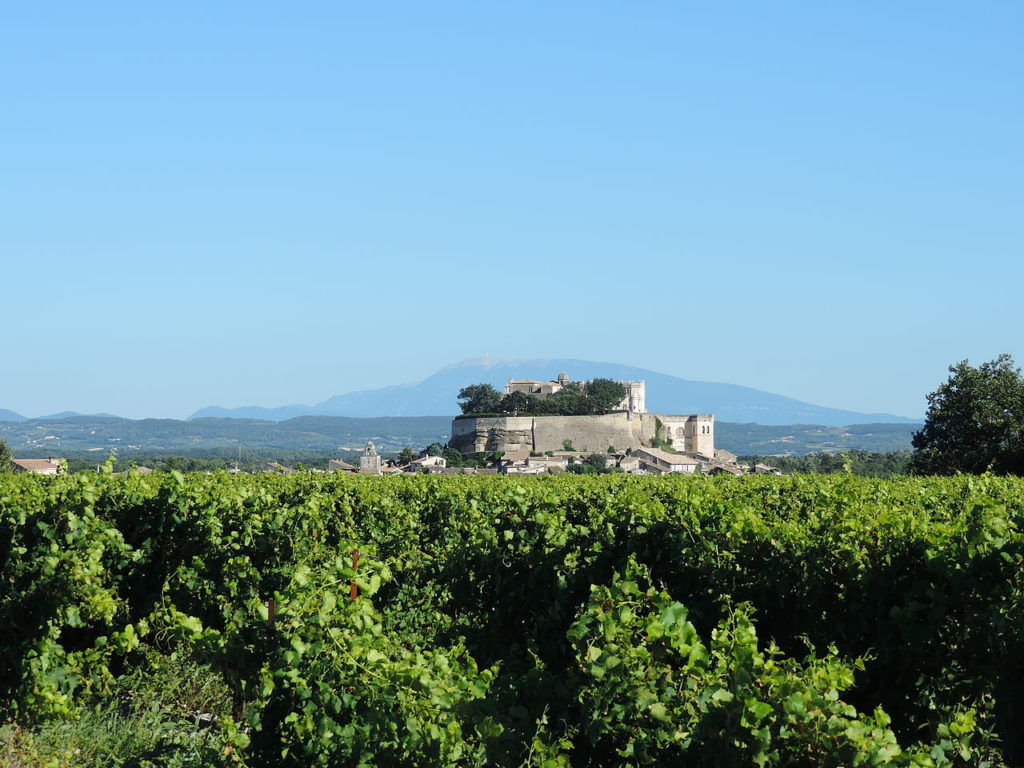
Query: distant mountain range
[[6, 415], [437, 394]]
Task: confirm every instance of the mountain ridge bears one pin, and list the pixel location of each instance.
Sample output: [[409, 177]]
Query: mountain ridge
[[437, 395]]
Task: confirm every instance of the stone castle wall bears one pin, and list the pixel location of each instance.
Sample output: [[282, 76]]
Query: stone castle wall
[[547, 433], [492, 433]]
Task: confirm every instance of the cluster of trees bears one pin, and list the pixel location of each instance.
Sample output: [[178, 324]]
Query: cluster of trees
[[861, 463], [974, 423], [574, 399], [455, 458], [594, 464]]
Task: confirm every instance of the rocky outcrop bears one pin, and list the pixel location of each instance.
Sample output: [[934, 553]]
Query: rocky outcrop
[[492, 433]]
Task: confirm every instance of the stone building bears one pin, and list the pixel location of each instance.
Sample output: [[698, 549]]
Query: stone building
[[627, 428], [370, 462], [660, 462], [691, 433], [50, 466], [635, 400]]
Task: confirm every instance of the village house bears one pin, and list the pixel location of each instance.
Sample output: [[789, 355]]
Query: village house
[[425, 463], [723, 468], [522, 469], [659, 462], [50, 466], [277, 468], [561, 462]]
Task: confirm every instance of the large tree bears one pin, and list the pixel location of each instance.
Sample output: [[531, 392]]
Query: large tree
[[406, 455], [5, 459], [571, 400], [479, 398], [604, 394], [975, 422], [517, 402]]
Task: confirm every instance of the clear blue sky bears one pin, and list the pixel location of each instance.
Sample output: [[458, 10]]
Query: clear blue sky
[[270, 203]]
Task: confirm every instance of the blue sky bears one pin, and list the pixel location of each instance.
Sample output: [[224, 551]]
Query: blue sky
[[268, 203]]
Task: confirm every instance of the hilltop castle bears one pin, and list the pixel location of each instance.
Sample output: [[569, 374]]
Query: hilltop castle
[[630, 426]]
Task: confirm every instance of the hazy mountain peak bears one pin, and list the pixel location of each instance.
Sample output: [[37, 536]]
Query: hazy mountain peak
[[437, 395], [481, 361]]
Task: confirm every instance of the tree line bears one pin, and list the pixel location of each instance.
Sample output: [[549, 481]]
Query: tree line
[[855, 462], [574, 399]]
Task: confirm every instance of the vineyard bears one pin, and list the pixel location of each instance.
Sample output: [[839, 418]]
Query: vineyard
[[317, 620]]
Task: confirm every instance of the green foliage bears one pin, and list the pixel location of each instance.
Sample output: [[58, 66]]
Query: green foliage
[[662, 444], [802, 439], [517, 402], [656, 693], [550, 621], [159, 714], [455, 458], [574, 399], [479, 398], [861, 463], [570, 400], [406, 455], [604, 394], [975, 422], [5, 459]]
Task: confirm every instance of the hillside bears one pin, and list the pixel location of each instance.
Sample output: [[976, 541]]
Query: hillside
[[92, 434], [437, 394], [801, 439]]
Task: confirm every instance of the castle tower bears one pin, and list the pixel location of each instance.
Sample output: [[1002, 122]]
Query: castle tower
[[691, 433], [636, 396]]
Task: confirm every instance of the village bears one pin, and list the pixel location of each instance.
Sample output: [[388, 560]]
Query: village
[[648, 444], [638, 461]]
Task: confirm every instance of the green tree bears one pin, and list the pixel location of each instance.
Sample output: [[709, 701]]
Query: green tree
[[597, 460], [975, 422], [5, 459], [516, 402], [479, 398], [604, 394], [406, 455], [571, 400]]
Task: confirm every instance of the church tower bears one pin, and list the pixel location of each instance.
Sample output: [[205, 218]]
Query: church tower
[[369, 462]]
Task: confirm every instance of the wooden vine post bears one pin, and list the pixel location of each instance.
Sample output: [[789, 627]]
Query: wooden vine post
[[354, 591]]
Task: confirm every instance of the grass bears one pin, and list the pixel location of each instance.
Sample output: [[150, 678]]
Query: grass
[[152, 720]]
